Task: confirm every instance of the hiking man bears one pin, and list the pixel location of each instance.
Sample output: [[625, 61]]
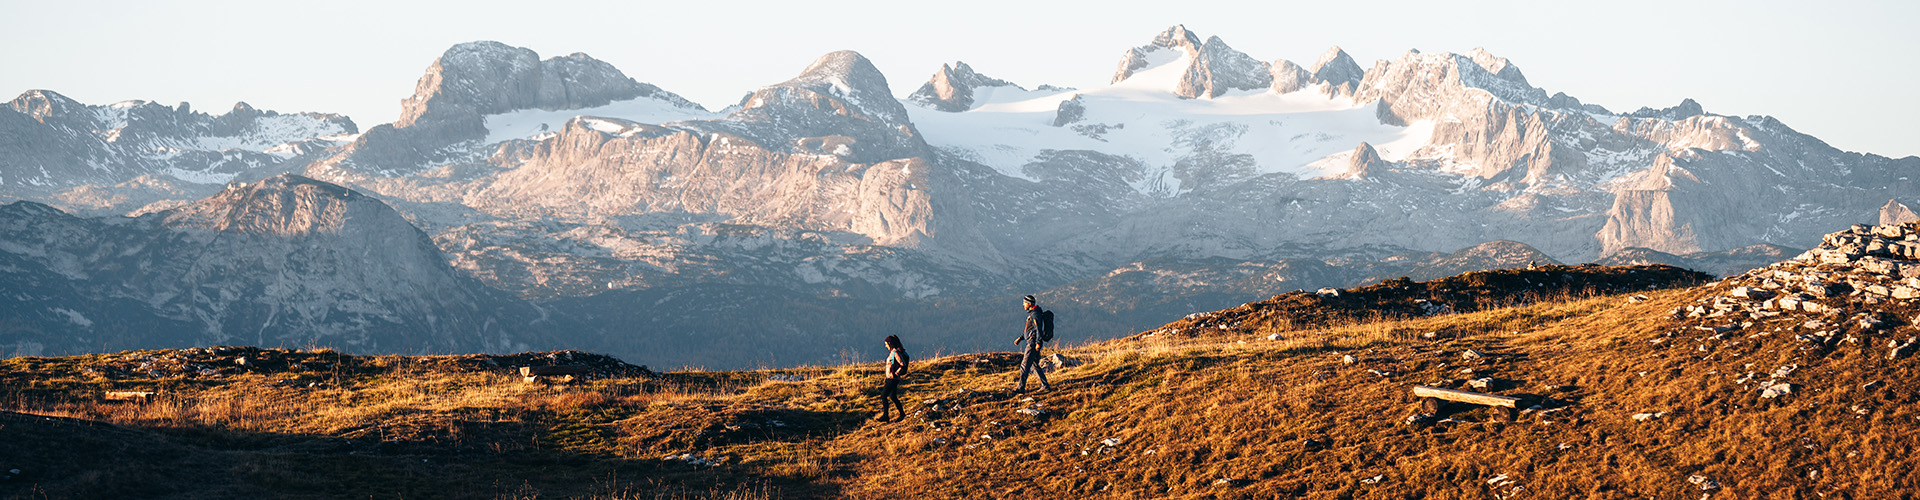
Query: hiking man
[[1038, 323], [897, 360]]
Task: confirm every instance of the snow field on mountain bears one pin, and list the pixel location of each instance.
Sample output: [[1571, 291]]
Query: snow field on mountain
[[267, 132], [1290, 133], [527, 123]]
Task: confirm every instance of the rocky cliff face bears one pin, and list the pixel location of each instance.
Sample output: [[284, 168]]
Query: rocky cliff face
[[282, 261], [829, 150]]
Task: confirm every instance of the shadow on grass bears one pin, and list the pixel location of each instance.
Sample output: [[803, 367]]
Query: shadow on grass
[[75, 458]]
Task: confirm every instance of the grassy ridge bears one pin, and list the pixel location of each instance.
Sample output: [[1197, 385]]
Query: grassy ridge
[[1259, 410]]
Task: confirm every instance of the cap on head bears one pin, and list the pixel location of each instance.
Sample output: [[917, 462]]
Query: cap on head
[[1028, 300]]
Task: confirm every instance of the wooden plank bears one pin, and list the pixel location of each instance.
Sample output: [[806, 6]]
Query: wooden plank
[[139, 396], [536, 371], [1465, 396]]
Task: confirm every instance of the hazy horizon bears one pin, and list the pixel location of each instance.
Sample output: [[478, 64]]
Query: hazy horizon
[[1735, 58]]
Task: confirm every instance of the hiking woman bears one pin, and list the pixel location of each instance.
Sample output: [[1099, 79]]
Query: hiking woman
[[896, 368]]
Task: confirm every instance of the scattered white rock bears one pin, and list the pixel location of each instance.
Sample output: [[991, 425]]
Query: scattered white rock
[[1705, 483], [1471, 354], [691, 459], [1771, 389], [1899, 348], [1642, 417]]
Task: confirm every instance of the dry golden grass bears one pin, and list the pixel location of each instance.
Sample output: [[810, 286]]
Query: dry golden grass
[[1224, 416]]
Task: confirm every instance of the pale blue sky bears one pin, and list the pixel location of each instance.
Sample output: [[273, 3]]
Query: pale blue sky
[[1843, 71]]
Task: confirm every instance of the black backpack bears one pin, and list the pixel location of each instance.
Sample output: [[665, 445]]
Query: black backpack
[[1046, 326]]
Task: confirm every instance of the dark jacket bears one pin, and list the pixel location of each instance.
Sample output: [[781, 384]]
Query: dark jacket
[[1031, 335]]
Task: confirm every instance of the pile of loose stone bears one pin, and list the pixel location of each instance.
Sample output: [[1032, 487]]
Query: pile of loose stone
[[1858, 287]]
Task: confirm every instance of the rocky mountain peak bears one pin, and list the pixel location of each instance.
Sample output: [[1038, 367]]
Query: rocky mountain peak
[[1364, 162], [1687, 108], [282, 205], [487, 77], [1177, 37], [1338, 69], [42, 104], [1212, 68], [1498, 66], [1895, 212], [951, 88], [846, 70], [844, 76], [1217, 68], [469, 81], [1289, 77]]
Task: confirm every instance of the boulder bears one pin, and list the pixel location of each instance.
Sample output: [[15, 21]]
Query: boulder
[[1058, 361], [1771, 389]]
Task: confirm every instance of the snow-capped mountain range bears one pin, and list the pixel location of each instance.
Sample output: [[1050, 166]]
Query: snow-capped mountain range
[[565, 177]]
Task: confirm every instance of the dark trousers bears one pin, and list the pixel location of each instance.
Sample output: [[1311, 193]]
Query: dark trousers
[[891, 392], [1030, 363]]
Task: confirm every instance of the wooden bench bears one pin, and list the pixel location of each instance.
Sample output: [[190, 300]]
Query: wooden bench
[[558, 373], [142, 397], [1431, 396]]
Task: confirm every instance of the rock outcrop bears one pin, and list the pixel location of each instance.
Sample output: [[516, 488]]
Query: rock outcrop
[[1895, 212], [951, 89], [1363, 162], [1856, 292]]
